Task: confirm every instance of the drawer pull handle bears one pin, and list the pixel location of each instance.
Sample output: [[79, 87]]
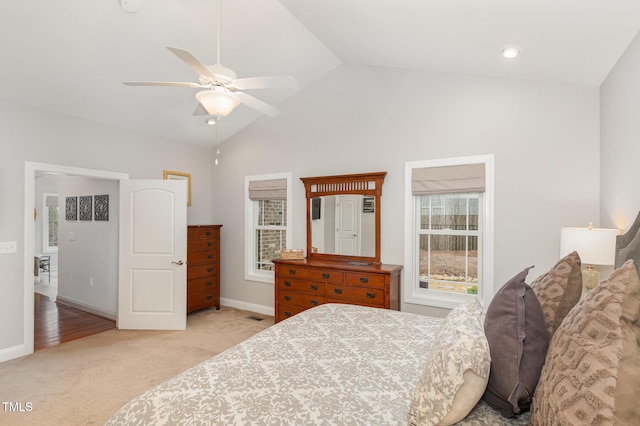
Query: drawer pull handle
[[209, 269], [287, 298], [209, 256], [325, 276], [287, 283], [314, 287], [314, 303], [209, 296], [209, 244], [371, 295], [287, 313], [292, 271], [209, 282], [364, 280], [207, 233], [337, 290]]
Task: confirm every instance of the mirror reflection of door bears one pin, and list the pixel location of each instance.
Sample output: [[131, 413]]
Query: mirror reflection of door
[[348, 224]]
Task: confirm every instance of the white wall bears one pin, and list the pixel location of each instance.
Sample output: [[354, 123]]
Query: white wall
[[356, 119], [31, 134], [620, 140], [88, 250]]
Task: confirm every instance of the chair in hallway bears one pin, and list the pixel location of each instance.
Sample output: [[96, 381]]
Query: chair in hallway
[[44, 265]]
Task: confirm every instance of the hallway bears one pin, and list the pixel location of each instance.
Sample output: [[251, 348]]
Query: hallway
[[56, 323]]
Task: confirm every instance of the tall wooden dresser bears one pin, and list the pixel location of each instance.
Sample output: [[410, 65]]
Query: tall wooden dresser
[[203, 267], [303, 284]]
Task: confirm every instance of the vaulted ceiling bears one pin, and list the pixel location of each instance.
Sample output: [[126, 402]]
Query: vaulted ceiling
[[72, 56]]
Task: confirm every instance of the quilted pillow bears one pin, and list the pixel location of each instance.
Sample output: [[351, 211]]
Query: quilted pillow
[[518, 340], [592, 372], [559, 290], [457, 371]]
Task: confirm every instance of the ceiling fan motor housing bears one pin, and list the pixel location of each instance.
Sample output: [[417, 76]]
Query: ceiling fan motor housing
[[223, 75]]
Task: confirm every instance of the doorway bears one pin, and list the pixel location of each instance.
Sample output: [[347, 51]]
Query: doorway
[[31, 170], [54, 321]]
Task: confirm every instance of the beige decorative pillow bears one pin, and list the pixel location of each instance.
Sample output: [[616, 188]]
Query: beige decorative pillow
[[456, 374], [592, 370], [559, 290]]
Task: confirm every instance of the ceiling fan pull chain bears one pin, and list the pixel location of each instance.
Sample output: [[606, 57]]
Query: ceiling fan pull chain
[[217, 142]]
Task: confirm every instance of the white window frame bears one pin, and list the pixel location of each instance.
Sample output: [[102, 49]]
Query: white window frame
[[250, 210], [45, 224], [428, 297]]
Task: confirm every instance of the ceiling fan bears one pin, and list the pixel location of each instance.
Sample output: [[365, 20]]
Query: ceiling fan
[[222, 90]]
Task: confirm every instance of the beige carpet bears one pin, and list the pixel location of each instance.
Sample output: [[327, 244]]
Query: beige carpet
[[85, 381]]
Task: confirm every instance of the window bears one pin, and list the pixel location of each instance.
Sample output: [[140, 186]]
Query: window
[[267, 223], [49, 223], [449, 230]]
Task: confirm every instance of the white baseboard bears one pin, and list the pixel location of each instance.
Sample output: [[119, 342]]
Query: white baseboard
[[246, 306], [12, 353], [86, 307]]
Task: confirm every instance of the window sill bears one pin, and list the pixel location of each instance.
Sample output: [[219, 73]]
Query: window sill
[[267, 277], [438, 299]]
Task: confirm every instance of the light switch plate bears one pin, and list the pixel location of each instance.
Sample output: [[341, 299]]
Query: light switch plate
[[8, 247]]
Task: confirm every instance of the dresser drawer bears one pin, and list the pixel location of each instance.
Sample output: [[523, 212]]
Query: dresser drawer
[[364, 279], [196, 233], [288, 284], [353, 302], [327, 276], [202, 271], [201, 245], [368, 296], [202, 284], [202, 257], [302, 300], [292, 271], [286, 311], [202, 299]]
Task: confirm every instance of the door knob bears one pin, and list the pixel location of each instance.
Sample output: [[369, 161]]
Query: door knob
[[179, 262]]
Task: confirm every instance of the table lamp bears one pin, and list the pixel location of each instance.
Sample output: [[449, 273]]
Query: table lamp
[[595, 246]]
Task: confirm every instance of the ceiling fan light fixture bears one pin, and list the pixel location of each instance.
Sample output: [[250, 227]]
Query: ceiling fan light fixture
[[218, 102]]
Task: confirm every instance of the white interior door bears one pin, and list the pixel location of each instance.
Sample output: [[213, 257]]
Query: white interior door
[[348, 225], [152, 290]]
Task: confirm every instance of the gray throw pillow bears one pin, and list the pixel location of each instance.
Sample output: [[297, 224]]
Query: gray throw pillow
[[518, 339]]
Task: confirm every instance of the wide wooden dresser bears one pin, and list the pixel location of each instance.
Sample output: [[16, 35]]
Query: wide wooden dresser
[[203, 267], [303, 284]]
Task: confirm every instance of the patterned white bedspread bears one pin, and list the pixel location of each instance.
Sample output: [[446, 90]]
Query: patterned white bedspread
[[330, 365]]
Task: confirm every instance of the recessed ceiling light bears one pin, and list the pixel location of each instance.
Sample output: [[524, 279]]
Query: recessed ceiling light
[[510, 52]]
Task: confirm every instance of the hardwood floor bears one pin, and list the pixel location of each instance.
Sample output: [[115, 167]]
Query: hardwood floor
[[55, 323]]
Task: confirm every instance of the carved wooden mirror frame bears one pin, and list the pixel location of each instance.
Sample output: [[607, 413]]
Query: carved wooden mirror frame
[[367, 184]]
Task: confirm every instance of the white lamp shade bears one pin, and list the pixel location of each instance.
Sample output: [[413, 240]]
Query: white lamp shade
[[596, 246], [217, 102]]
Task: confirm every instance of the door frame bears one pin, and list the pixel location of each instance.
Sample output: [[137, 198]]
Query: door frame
[[31, 168]]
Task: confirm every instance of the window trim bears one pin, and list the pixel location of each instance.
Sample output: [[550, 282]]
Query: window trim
[[45, 224], [250, 274], [412, 293]]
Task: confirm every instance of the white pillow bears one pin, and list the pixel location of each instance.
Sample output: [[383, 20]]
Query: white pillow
[[457, 371]]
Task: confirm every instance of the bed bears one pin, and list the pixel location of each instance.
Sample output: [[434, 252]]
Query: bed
[[327, 365], [339, 364]]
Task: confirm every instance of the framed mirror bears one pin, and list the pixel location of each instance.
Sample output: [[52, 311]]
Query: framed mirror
[[343, 217]]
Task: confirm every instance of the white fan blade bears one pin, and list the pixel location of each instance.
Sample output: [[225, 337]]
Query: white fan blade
[[276, 82], [193, 62], [162, 83], [257, 104], [200, 110]]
